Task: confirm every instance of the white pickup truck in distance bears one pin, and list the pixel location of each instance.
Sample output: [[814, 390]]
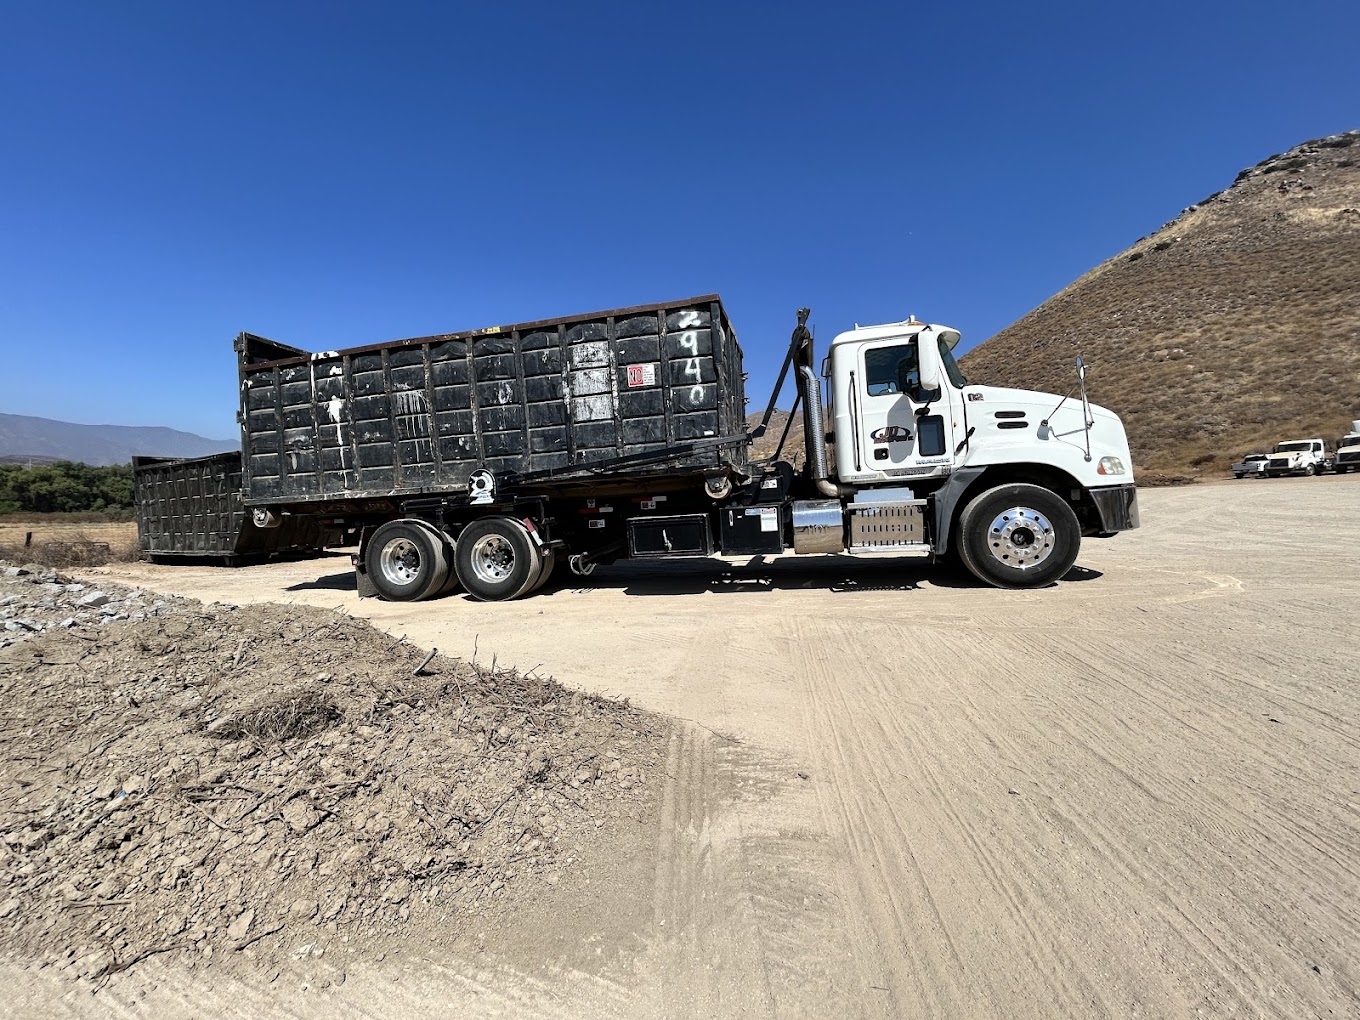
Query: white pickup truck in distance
[[1348, 451], [1253, 465], [1298, 457]]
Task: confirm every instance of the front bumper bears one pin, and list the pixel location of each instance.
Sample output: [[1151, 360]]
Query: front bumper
[[1117, 506]]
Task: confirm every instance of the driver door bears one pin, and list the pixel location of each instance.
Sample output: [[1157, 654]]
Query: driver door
[[895, 441]]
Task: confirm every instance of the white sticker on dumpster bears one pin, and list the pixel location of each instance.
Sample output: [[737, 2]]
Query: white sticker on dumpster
[[769, 519], [641, 375]]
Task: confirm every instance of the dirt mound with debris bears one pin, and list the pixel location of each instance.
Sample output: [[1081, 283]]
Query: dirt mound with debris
[[212, 780]]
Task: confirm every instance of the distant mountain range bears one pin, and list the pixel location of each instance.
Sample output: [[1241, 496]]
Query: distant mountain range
[[45, 440]]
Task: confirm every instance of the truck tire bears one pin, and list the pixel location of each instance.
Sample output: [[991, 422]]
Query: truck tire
[[1310, 470], [406, 560], [451, 581], [1018, 536], [549, 557], [496, 559]]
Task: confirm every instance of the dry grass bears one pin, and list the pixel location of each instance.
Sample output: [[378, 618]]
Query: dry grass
[[62, 544], [1228, 330], [289, 717]]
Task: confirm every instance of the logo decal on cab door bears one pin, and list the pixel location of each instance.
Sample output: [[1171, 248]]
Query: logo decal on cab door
[[891, 434]]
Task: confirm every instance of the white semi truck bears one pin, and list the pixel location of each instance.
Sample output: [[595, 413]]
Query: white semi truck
[[486, 458], [1348, 451], [1299, 457]]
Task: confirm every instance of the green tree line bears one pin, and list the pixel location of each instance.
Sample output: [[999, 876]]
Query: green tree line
[[65, 487]]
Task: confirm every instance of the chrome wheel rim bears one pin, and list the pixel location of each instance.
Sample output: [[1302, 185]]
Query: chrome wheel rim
[[493, 559], [1020, 537], [400, 561]]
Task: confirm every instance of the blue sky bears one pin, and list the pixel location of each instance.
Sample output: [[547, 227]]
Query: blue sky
[[332, 174]]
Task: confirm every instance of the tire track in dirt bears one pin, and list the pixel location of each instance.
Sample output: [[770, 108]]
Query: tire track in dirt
[[1177, 796], [937, 967], [743, 914], [417, 989]]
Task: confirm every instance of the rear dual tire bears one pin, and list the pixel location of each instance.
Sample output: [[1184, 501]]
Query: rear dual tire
[[497, 559], [408, 560]]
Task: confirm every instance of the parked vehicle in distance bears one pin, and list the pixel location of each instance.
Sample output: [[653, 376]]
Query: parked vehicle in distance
[[1253, 465], [1299, 457], [1348, 450]]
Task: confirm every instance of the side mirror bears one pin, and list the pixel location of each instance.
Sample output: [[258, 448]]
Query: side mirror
[[1081, 369], [929, 358]]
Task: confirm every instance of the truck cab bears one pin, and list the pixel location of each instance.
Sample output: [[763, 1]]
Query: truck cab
[[903, 410], [1348, 451], [923, 460], [1299, 457]]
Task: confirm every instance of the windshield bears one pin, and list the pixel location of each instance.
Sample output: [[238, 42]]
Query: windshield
[[951, 367], [1293, 447], [1350, 441]]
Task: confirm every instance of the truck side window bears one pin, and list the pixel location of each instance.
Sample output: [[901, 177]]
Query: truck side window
[[885, 368], [930, 436]]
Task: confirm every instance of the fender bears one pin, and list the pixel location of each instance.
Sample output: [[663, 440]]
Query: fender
[[946, 497]]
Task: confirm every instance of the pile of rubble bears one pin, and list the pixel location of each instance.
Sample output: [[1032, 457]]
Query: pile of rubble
[[34, 598], [240, 782]]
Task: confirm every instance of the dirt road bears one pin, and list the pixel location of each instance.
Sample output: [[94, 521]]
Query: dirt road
[[1134, 794]]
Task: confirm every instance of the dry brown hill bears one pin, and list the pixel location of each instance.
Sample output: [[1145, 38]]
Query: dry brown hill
[[794, 449], [1234, 326]]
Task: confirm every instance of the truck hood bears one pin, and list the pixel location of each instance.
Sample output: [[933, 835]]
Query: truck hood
[[988, 405], [1003, 397]]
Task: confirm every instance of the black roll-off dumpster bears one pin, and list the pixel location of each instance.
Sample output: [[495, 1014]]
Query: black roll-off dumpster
[[633, 392]]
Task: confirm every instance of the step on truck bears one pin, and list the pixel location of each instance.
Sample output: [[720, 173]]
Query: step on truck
[[488, 459]]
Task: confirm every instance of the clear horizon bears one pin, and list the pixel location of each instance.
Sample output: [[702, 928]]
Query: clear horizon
[[334, 175]]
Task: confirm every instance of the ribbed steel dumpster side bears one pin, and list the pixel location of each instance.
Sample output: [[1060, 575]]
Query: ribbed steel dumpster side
[[637, 392], [192, 507]]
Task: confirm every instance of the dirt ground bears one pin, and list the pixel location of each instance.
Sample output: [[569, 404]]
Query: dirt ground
[[1134, 794]]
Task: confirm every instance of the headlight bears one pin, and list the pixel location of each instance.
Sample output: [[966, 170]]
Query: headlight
[[1110, 466]]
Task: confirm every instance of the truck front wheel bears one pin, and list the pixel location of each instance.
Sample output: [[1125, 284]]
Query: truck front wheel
[[406, 561], [1018, 536], [496, 559]]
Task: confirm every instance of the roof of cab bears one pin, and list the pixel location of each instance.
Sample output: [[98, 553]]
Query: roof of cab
[[888, 330]]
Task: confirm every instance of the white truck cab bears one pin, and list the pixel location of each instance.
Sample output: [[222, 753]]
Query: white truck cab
[[1299, 457], [1007, 479], [1348, 451], [902, 410]]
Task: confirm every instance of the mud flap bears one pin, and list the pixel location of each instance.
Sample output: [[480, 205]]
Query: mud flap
[[946, 498]]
